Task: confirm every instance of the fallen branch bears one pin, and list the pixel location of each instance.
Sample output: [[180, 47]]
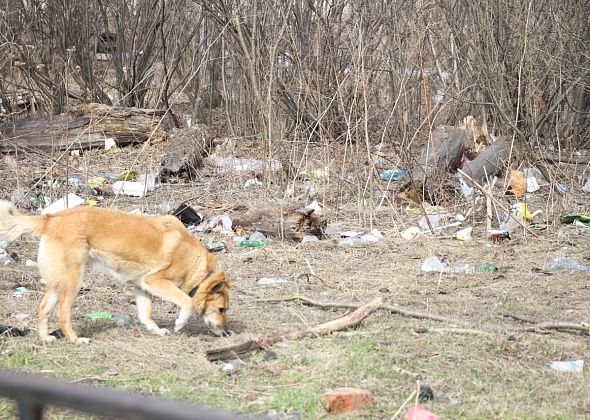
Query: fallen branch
[[557, 325], [392, 308], [489, 330], [347, 321]]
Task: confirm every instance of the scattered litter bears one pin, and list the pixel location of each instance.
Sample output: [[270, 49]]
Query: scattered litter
[[252, 244], [499, 234], [426, 393], [318, 174], [20, 316], [123, 321], [215, 246], [69, 201], [518, 183], [151, 180], [411, 232], [472, 268], [532, 185], [440, 221], [57, 333], [110, 143], [19, 291], [565, 264], [392, 174], [128, 176], [9, 331], [139, 188], [187, 215], [76, 180], [435, 221], [253, 183], [257, 236], [417, 412], [333, 229], [97, 182], [237, 164], [586, 187], [581, 220], [433, 264], [573, 366], [562, 187], [522, 212], [315, 206], [465, 188], [539, 226], [98, 315], [131, 188], [310, 238], [5, 258], [223, 221], [271, 281], [310, 188], [231, 367], [354, 240], [464, 234]]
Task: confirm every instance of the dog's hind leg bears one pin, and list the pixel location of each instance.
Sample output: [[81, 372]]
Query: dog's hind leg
[[45, 308], [61, 264], [67, 290], [143, 301]]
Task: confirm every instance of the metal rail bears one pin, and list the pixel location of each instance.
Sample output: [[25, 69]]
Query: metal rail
[[33, 393]]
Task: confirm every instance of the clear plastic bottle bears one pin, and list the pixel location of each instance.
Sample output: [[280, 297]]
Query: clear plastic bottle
[[566, 264], [472, 268]]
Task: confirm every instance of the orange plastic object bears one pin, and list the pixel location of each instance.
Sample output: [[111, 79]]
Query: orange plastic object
[[518, 183]]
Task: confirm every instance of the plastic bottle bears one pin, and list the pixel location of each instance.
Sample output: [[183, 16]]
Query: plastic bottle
[[252, 244], [566, 264], [471, 268]]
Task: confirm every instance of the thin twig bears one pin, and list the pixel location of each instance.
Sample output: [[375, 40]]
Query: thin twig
[[482, 189]]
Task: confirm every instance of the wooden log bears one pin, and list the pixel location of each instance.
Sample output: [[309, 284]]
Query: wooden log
[[442, 155], [185, 150], [286, 223], [488, 163], [85, 127]]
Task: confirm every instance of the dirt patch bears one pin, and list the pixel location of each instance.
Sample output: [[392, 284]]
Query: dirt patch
[[504, 373]]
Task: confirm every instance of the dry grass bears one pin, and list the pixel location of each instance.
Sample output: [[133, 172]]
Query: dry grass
[[473, 376]]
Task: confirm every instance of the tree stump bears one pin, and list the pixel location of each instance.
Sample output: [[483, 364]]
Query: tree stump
[[185, 150], [286, 223]]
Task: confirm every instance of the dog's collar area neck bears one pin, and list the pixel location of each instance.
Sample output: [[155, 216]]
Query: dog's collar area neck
[[193, 292]]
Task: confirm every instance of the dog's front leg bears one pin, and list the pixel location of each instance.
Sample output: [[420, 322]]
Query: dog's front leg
[[143, 300], [169, 292]]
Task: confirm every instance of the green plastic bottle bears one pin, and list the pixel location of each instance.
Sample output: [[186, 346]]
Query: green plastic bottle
[[252, 244]]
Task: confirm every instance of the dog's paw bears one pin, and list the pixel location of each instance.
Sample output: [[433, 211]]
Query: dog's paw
[[161, 331], [82, 340], [48, 338], [177, 328]]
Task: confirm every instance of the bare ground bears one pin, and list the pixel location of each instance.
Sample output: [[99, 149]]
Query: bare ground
[[501, 373]]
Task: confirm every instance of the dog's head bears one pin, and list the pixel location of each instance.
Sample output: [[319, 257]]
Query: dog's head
[[211, 301]]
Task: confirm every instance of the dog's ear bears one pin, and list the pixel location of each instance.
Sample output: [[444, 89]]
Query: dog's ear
[[218, 287]]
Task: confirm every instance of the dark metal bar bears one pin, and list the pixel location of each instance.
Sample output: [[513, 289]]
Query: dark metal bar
[[32, 393], [29, 409]]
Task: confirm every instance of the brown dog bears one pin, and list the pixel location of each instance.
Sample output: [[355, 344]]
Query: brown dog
[[155, 253]]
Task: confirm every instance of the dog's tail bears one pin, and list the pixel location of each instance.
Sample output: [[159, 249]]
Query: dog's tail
[[14, 225]]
